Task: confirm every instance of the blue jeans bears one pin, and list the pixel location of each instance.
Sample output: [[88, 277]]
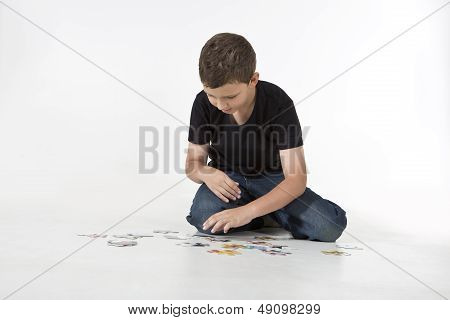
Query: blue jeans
[[308, 217]]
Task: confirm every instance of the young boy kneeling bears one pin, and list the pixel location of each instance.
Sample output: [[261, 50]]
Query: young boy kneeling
[[250, 130]]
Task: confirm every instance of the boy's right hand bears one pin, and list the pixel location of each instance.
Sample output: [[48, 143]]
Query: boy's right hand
[[221, 185]]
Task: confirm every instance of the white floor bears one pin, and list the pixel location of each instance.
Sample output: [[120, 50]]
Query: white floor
[[38, 237]]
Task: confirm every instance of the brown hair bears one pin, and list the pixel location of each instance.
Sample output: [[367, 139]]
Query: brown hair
[[226, 58]]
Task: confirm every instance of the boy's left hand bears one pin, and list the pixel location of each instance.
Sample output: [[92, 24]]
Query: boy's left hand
[[226, 219]]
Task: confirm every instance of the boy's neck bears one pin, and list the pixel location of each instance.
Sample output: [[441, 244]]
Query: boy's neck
[[242, 116]]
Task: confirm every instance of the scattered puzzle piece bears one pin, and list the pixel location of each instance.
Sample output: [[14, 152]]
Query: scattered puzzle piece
[[264, 243], [335, 253], [229, 248], [232, 246], [122, 243], [267, 244], [265, 238], [193, 244], [347, 246], [140, 235], [169, 236], [204, 235], [278, 246], [250, 246], [125, 236], [164, 231], [93, 235], [213, 239], [227, 252], [276, 253]]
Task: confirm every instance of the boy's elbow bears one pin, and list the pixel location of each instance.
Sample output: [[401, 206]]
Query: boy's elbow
[[298, 183], [190, 171]]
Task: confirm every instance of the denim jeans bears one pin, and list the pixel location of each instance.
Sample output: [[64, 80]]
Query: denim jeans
[[308, 217]]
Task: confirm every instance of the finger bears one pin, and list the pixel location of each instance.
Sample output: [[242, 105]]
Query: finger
[[233, 184], [231, 190], [230, 186], [209, 223], [218, 226], [226, 193], [212, 220], [218, 194], [206, 223], [227, 227]]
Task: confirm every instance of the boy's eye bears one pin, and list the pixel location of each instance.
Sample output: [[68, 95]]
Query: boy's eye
[[225, 97]]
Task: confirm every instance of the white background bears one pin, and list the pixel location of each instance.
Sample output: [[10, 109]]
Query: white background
[[69, 133]]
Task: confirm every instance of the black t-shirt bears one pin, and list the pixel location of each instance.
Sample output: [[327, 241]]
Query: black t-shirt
[[253, 147]]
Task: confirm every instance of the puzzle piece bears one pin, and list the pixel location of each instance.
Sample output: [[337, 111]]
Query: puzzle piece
[[226, 252], [276, 253], [335, 253], [125, 236], [267, 244], [262, 248], [233, 246], [193, 244], [213, 239], [122, 243], [278, 246], [140, 235], [169, 236], [164, 231], [217, 238], [347, 246], [265, 249], [265, 238], [93, 235], [264, 243]]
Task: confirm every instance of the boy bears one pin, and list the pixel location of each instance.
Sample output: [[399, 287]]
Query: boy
[[250, 130]]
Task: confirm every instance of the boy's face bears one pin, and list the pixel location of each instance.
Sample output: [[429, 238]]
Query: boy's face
[[232, 97]]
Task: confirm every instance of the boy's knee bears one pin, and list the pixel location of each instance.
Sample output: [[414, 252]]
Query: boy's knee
[[204, 205], [198, 216], [328, 228], [331, 230]]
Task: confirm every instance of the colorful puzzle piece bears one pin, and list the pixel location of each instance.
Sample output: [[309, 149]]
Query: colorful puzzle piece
[[232, 246], [335, 253], [225, 252]]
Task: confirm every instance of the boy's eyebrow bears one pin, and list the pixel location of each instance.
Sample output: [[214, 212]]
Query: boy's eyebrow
[[233, 95]]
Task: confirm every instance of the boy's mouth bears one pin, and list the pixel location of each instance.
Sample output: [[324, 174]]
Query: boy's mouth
[[226, 110]]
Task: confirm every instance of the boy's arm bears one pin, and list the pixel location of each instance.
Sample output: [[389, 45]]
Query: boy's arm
[[294, 184], [196, 159]]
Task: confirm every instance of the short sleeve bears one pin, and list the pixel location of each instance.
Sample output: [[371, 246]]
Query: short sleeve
[[286, 126], [199, 128]]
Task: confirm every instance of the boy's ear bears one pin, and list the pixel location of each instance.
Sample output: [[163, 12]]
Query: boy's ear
[[254, 78]]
